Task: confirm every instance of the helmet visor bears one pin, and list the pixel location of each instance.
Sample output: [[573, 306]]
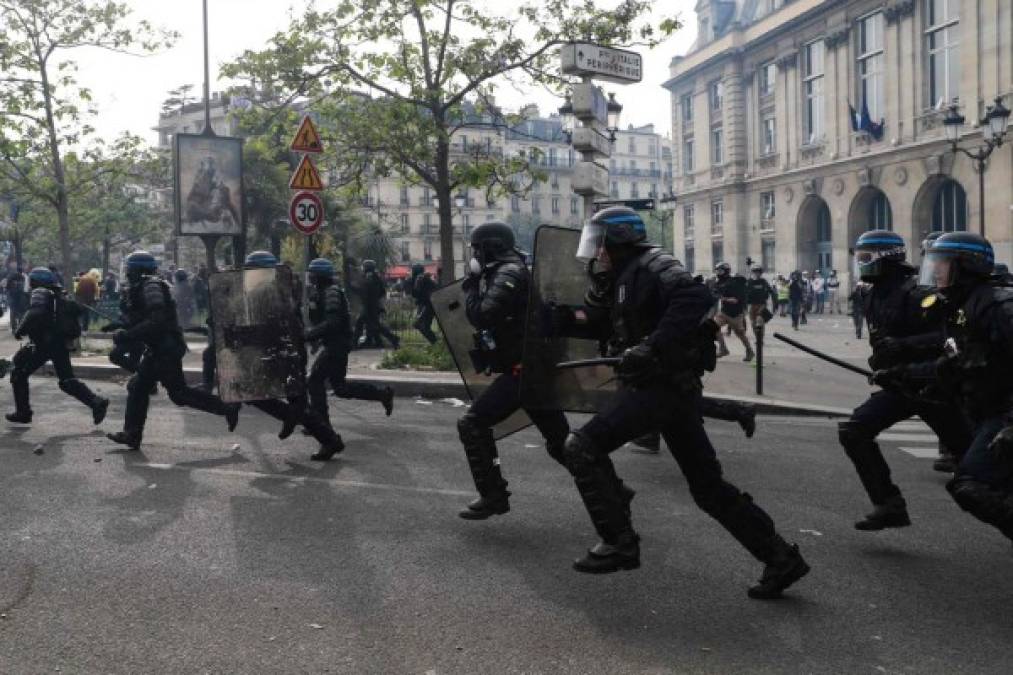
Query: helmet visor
[[869, 264], [938, 270], [592, 237]]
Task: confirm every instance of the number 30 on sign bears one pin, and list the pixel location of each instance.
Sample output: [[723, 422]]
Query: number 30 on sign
[[306, 213]]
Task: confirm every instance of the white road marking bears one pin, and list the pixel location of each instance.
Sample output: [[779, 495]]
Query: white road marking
[[908, 438], [307, 479], [921, 453]]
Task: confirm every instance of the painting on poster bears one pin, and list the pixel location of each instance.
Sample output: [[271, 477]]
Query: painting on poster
[[209, 185]]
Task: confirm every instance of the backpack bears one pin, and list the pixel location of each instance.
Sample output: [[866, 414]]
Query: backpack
[[68, 317]]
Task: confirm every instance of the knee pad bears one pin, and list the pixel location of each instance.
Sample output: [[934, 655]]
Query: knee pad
[[579, 453], [470, 432]]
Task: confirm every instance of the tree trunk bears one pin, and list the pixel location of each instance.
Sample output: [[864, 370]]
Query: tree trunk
[[59, 176], [105, 256], [445, 211]]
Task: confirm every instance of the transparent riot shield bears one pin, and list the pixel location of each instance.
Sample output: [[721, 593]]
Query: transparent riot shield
[[448, 303], [557, 277], [258, 336]]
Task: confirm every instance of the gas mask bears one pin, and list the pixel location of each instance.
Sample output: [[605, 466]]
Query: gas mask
[[474, 267]]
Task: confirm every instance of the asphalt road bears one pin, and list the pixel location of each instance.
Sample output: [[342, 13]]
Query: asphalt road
[[194, 556]]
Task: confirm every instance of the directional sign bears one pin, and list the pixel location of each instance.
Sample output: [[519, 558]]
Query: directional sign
[[307, 139], [306, 212], [635, 204], [602, 63], [306, 177]]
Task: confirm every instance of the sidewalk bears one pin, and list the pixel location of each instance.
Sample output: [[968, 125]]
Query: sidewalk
[[794, 383]]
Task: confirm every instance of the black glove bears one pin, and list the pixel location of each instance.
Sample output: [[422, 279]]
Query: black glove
[[120, 337], [638, 365], [887, 377], [1002, 444]]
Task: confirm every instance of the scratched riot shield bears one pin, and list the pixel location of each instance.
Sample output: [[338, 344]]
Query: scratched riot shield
[[557, 277], [459, 334], [258, 336]]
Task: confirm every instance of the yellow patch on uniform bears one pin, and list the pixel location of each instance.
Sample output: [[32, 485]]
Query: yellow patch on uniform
[[929, 301], [508, 284]]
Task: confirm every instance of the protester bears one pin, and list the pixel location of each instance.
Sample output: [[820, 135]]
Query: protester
[[819, 291], [86, 294], [833, 287], [797, 298], [857, 299], [782, 295]]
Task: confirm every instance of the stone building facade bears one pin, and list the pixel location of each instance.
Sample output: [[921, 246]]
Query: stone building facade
[[768, 164]]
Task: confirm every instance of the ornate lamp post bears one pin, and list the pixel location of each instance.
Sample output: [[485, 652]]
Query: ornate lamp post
[[993, 130]]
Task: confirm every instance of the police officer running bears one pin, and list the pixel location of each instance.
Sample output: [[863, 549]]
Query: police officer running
[[900, 331], [496, 292], [372, 291], [731, 289], [330, 327], [657, 318], [158, 328], [978, 366], [423, 286], [758, 292], [51, 322]]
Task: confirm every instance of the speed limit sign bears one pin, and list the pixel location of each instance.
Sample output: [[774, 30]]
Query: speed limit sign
[[306, 213]]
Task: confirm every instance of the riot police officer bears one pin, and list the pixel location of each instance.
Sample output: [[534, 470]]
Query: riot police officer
[[900, 331], [659, 319], [296, 411], [731, 291], [372, 291], [125, 355], [978, 365], [496, 300], [51, 321], [158, 328], [330, 327], [423, 286]]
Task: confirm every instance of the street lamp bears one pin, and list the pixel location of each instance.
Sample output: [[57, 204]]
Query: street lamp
[[993, 132], [615, 110], [567, 118]]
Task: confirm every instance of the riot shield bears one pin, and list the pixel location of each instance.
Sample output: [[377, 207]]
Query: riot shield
[[258, 336], [557, 277], [448, 303]]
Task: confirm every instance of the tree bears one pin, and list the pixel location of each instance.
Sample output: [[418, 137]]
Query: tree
[[178, 99], [400, 72], [43, 110]]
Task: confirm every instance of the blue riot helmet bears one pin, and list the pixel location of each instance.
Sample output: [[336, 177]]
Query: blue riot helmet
[[42, 277], [961, 258], [926, 275], [260, 260], [321, 270], [139, 264], [876, 253], [614, 226]]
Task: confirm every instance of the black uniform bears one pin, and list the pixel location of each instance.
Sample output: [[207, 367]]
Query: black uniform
[[656, 308], [422, 291], [373, 291], [496, 305], [158, 328], [51, 321], [330, 327], [900, 331], [127, 355]]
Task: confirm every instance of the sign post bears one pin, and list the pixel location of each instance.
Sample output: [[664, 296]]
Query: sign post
[[306, 210]]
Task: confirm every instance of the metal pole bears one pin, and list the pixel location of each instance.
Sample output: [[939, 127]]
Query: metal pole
[[981, 196], [758, 325], [207, 74], [588, 157]]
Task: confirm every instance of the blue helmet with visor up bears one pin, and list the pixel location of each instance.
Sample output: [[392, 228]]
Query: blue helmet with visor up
[[877, 252]]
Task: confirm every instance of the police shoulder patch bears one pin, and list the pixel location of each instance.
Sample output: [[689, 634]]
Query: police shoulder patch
[[929, 301]]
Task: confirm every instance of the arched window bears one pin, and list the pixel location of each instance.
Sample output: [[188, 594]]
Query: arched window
[[823, 230], [880, 216], [949, 210]]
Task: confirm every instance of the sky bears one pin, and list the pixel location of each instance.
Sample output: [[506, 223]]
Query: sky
[[129, 90]]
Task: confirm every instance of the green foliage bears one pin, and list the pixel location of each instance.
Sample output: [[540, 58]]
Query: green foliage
[[411, 357], [393, 81]]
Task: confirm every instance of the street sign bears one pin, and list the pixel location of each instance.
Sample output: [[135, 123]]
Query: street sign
[[590, 178], [635, 204], [306, 177], [602, 63], [589, 102], [586, 139], [307, 139], [306, 212]]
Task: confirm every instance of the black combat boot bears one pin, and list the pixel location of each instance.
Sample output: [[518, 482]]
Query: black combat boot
[[132, 441], [648, 443], [891, 513], [748, 421], [99, 410], [232, 415], [785, 566], [388, 401], [480, 449], [22, 402], [606, 557], [327, 451], [19, 417], [486, 507]]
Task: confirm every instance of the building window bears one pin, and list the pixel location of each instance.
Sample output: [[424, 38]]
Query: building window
[[573, 206], [633, 145], [716, 92], [717, 251], [690, 261], [686, 106], [406, 251], [552, 157], [949, 212], [687, 156], [515, 204], [536, 204], [880, 215], [612, 166], [942, 38], [634, 191], [464, 142], [812, 77], [717, 217], [654, 190], [404, 195], [870, 64], [615, 190], [405, 227], [767, 254], [427, 223], [688, 223], [769, 135], [427, 249], [767, 207], [768, 78], [717, 147], [555, 206], [633, 167], [426, 199]]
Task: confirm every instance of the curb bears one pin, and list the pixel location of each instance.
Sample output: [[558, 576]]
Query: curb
[[441, 386]]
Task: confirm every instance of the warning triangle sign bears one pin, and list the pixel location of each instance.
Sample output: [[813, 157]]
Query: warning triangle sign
[[307, 139], [306, 177]]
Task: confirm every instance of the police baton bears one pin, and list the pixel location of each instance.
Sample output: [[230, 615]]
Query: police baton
[[826, 357], [585, 363]]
